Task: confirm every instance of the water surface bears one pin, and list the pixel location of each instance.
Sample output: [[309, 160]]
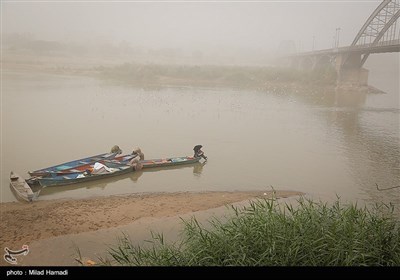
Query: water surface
[[315, 141]]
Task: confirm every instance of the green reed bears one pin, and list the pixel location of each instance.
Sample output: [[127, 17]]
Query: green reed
[[267, 233]]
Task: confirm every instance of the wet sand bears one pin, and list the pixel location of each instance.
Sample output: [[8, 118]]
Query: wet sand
[[23, 223]]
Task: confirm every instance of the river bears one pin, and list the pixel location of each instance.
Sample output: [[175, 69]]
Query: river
[[326, 144]]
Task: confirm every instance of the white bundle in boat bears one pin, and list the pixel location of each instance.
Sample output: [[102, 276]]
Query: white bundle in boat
[[100, 168]]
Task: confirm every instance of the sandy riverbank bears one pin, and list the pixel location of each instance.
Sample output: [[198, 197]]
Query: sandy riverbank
[[22, 223]]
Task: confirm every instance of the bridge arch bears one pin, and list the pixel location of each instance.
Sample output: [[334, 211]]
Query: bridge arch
[[382, 23], [379, 34]]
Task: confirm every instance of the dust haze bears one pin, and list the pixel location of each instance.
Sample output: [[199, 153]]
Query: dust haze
[[192, 32]]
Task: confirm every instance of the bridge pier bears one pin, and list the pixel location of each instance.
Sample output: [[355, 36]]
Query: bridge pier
[[351, 73], [353, 77]]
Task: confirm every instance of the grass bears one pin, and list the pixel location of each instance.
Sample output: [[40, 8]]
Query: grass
[[268, 234]]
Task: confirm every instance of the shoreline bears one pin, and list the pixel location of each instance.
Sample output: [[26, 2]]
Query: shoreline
[[109, 71], [144, 73], [24, 223]]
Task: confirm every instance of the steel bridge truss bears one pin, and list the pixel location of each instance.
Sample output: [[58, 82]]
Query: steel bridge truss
[[381, 27]]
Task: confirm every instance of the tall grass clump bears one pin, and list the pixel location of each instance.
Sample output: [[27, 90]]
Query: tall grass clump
[[270, 234]]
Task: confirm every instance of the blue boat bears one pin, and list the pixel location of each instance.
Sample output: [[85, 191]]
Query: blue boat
[[110, 169], [82, 172], [125, 160], [80, 166], [71, 164]]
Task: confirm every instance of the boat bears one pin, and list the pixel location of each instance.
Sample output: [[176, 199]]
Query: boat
[[164, 162], [101, 185], [71, 164], [21, 187], [61, 175], [119, 166], [81, 165], [110, 169], [150, 163]]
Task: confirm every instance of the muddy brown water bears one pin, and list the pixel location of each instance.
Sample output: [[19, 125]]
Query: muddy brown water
[[324, 143]]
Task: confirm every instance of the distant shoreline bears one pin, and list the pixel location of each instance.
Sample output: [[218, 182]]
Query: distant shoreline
[[152, 75], [142, 73]]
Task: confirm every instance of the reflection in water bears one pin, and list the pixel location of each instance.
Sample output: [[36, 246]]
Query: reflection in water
[[99, 185], [102, 184], [135, 176], [373, 152], [198, 168], [313, 140], [349, 98], [329, 97]]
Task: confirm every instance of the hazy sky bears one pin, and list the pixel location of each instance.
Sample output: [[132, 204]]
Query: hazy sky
[[193, 25]]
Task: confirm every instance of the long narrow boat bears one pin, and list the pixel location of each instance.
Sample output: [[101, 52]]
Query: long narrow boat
[[71, 164], [163, 162], [118, 165], [82, 165], [149, 163], [21, 187], [114, 169]]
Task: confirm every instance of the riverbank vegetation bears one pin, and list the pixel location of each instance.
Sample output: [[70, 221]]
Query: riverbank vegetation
[[270, 234], [209, 75]]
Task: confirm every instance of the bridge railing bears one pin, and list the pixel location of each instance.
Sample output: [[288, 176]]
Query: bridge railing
[[379, 44], [363, 47]]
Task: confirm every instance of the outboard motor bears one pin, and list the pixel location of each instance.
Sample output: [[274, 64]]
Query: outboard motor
[[198, 152]]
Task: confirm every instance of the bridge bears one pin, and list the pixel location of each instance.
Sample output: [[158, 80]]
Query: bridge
[[379, 34]]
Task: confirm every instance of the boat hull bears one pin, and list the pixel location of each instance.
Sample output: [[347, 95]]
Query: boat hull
[[71, 164], [150, 163], [68, 178], [74, 178]]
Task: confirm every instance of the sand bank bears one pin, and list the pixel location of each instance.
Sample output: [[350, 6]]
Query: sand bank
[[22, 223]]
